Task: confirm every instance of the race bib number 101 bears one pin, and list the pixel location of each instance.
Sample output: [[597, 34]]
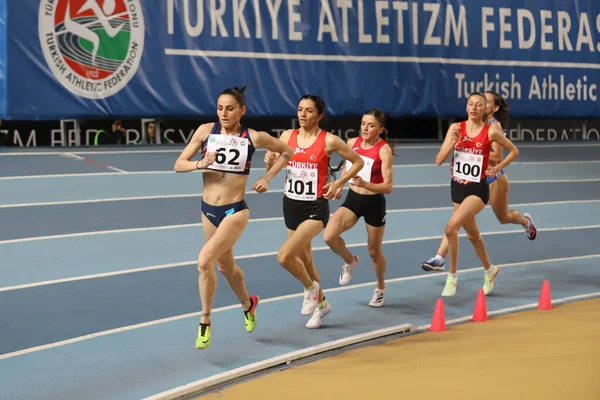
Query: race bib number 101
[[301, 183], [232, 152]]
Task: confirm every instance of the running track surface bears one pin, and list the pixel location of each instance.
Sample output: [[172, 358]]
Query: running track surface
[[98, 289]]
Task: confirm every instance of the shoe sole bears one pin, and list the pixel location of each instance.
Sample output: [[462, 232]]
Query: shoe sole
[[429, 268], [528, 217], [344, 283]]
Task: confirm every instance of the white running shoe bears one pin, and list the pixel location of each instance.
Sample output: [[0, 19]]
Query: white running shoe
[[311, 299], [317, 318], [347, 269], [377, 299]]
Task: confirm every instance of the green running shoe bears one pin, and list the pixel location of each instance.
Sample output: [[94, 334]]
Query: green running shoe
[[450, 288], [250, 319], [204, 336]]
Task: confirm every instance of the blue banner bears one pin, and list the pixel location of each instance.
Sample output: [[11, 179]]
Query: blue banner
[[3, 61], [171, 58]]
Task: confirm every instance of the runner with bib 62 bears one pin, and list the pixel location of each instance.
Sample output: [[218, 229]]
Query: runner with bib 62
[[470, 142], [227, 148]]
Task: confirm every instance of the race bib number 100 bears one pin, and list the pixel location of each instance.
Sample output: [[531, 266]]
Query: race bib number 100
[[301, 183], [232, 152], [467, 166], [365, 172]]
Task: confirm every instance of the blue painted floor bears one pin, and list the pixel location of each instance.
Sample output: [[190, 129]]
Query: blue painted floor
[[159, 355]]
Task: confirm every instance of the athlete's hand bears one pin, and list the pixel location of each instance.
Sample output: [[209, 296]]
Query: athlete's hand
[[270, 157], [358, 181], [492, 171], [208, 159], [338, 193], [331, 189], [456, 134], [261, 185]]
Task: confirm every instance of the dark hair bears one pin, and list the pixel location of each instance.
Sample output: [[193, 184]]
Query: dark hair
[[319, 103], [320, 106], [503, 108], [381, 118], [237, 93]]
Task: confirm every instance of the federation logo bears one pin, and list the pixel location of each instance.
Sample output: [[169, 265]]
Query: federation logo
[[93, 47]]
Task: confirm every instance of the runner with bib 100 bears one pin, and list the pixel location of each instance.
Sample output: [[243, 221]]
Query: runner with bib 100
[[306, 199], [499, 185], [470, 142]]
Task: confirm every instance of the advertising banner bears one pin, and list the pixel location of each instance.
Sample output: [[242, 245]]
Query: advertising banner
[[172, 58], [3, 61]]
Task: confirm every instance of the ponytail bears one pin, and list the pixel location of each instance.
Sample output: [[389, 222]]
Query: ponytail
[[503, 108], [384, 136]]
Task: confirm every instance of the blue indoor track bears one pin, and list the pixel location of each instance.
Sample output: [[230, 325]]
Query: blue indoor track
[[98, 283]]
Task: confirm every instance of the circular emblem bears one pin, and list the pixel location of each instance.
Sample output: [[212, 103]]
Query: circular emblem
[[93, 47]]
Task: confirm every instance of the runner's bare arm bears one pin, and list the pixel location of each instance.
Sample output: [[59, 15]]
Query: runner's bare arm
[[271, 156], [264, 140], [334, 143], [184, 163], [497, 150], [452, 137], [496, 135]]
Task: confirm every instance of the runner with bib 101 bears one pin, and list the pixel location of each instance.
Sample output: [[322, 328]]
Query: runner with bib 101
[[308, 188]]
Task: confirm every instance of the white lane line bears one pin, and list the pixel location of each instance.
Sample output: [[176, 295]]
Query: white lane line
[[251, 192], [269, 219], [269, 300], [423, 165], [265, 254]]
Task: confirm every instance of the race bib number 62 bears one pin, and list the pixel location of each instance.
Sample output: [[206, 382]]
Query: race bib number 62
[[232, 152]]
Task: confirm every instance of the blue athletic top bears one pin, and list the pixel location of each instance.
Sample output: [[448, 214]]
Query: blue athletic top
[[234, 154]]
